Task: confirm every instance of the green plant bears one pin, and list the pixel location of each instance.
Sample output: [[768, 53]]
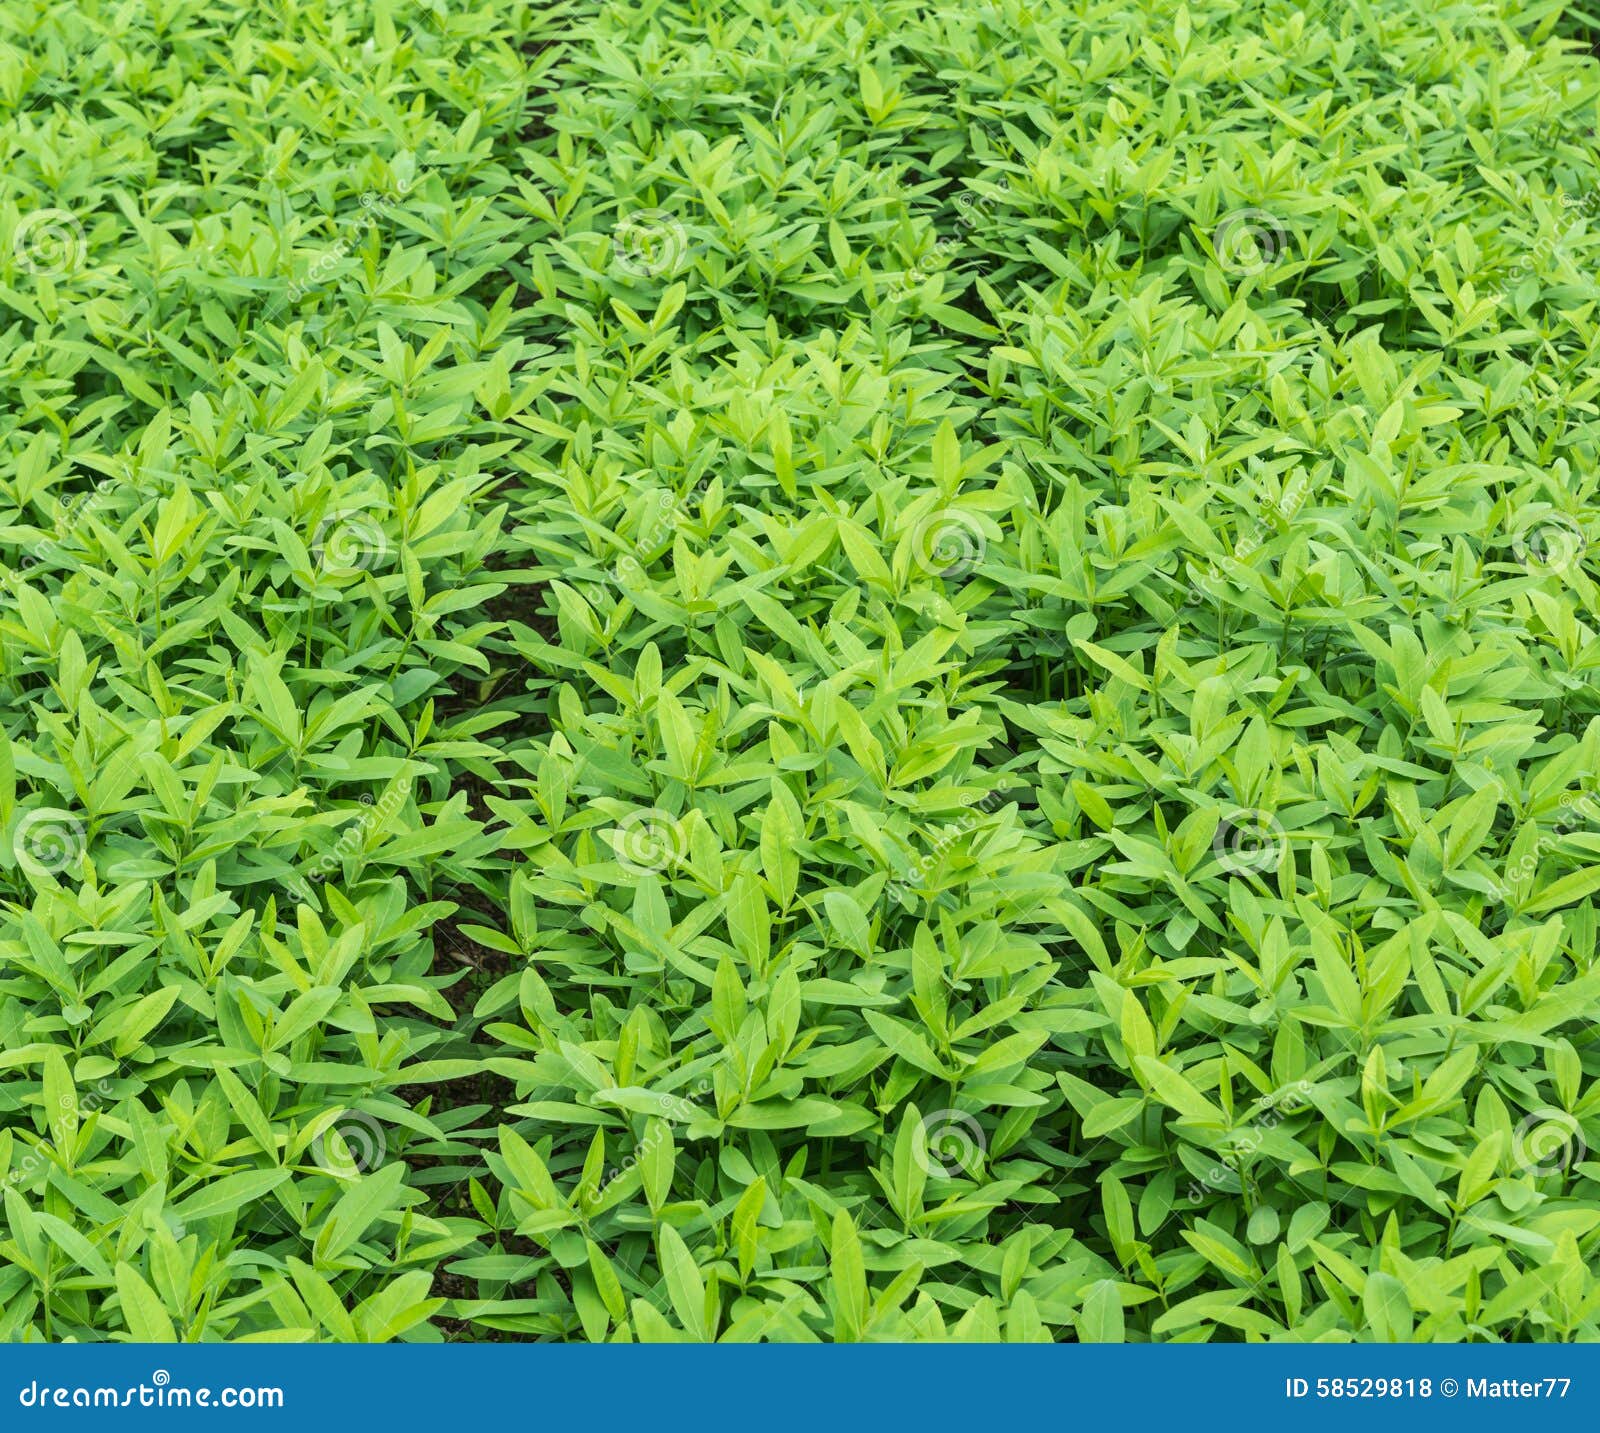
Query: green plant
[[783, 672]]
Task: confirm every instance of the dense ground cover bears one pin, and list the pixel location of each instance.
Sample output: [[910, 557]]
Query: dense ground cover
[[773, 671]]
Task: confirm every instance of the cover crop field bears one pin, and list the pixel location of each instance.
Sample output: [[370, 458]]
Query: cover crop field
[[733, 670]]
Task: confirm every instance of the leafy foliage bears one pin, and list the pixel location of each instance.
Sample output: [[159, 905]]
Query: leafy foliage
[[789, 672]]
